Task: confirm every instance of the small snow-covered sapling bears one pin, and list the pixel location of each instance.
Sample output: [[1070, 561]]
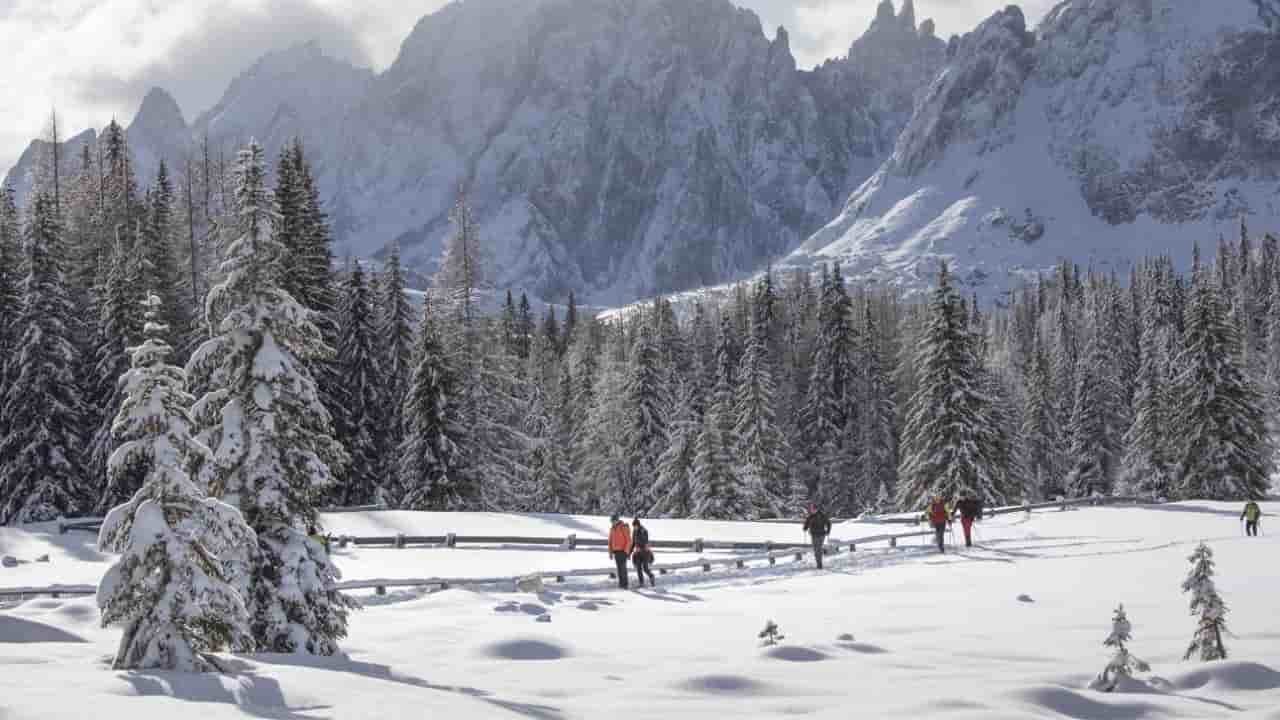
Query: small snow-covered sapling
[[1122, 664], [771, 634], [1208, 605]]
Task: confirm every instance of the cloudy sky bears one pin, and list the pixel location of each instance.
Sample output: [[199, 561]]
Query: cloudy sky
[[95, 59]]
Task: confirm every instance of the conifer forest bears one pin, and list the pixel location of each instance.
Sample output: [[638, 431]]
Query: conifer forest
[[788, 389]]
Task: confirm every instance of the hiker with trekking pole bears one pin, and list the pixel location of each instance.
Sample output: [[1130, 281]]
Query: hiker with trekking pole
[[1251, 516]]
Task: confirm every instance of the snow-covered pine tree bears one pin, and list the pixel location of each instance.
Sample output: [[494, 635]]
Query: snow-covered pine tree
[[302, 226], [717, 491], [395, 334], [1122, 664], [1207, 606], [673, 492], [1145, 467], [645, 436], [361, 428], [1041, 437], [945, 438], [10, 294], [1095, 428], [183, 556], [1223, 449], [878, 458], [160, 264], [551, 489], [759, 443], [119, 325], [431, 460], [40, 456], [273, 449]]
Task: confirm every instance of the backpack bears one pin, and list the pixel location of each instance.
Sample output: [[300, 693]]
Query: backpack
[[938, 512]]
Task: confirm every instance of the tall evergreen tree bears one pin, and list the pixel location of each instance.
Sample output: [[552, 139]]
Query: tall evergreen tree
[[646, 432], [759, 442], [184, 556], [119, 326], [10, 293], [273, 449], [945, 442], [361, 427], [431, 460], [673, 491], [1041, 436], [40, 456], [395, 323], [1223, 450], [717, 491]]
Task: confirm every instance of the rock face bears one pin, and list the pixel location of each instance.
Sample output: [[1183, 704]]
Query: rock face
[[618, 148], [1121, 128]]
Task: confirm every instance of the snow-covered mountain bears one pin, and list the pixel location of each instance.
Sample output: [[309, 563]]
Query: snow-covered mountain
[[618, 149], [624, 149], [1120, 128]]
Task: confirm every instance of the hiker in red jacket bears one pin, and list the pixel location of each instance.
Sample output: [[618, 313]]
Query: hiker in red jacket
[[939, 516], [970, 509]]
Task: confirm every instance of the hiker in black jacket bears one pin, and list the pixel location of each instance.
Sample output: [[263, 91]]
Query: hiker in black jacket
[[641, 555], [818, 525], [970, 509]]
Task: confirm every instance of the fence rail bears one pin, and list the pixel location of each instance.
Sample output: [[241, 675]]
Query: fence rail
[[770, 552]]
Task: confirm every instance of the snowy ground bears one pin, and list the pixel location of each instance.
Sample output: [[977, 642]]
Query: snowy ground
[[932, 636]]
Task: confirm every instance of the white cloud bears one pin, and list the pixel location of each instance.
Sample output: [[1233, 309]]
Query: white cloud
[[95, 59]]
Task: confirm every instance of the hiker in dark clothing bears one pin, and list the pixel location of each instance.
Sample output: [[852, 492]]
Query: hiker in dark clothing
[[620, 548], [970, 509], [939, 516], [818, 525], [1252, 513], [641, 555]]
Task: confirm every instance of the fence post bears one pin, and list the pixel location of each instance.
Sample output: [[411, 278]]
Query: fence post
[[399, 541], [571, 542], [342, 541], [772, 561], [893, 541], [853, 547], [706, 567], [451, 540], [380, 590], [698, 546], [741, 565]]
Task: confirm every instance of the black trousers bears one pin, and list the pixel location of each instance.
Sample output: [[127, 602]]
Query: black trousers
[[621, 558], [1251, 528], [938, 531], [819, 541], [641, 561]]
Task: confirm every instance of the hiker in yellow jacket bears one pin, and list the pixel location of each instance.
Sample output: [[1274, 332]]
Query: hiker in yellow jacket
[[1252, 513]]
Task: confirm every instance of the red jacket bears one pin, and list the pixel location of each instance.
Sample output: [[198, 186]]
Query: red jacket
[[620, 539]]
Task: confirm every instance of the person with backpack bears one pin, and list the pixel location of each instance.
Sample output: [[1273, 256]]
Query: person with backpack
[[641, 555], [620, 548], [818, 525], [322, 540], [970, 509], [939, 516], [1251, 515]]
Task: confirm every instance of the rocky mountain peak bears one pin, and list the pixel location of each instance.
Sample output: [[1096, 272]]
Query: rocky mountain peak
[[973, 96], [159, 113]]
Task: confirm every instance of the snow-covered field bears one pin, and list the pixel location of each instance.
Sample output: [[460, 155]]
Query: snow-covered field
[[884, 633]]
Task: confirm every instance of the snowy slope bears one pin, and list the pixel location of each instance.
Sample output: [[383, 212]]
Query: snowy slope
[[1119, 129], [932, 636]]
